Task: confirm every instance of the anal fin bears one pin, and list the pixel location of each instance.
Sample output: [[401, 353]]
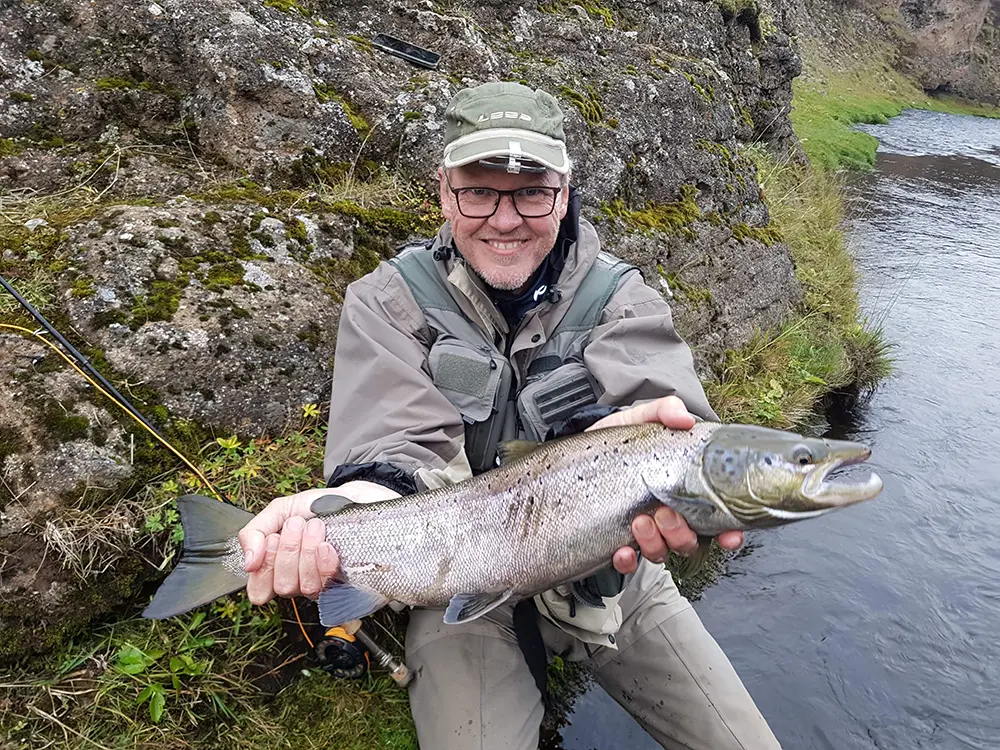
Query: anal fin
[[466, 607]]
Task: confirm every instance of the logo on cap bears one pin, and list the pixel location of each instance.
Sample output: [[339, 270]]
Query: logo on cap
[[504, 115]]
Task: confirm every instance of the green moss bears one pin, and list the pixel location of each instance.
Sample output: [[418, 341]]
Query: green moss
[[732, 8], [408, 116], [362, 42], [9, 147], [595, 8], [669, 218], [160, 303], [325, 93], [694, 294], [222, 276], [165, 223], [82, 288], [119, 83], [768, 235], [288, 6], [11, 442], [61, 425], [21, 96], [589, 104], [296, 230], [211, 217]]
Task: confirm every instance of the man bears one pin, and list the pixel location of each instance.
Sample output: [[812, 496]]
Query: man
[[513, 324]]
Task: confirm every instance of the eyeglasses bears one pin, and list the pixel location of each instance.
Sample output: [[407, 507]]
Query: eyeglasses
[[481, 203]]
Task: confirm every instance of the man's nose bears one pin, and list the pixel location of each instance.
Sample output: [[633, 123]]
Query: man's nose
[[506, 218]]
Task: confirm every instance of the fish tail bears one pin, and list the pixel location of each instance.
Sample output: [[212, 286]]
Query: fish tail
[[211, 563]]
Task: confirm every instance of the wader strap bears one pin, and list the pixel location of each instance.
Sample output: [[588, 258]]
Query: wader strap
[[529, 639], [594, 293], [417, 267]]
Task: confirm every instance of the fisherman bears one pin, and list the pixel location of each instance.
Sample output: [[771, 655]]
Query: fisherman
[[512, 323]]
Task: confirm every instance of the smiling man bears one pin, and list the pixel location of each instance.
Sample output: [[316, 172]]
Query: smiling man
[[512, 323]]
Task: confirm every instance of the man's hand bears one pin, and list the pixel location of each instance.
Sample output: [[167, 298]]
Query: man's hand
[[285, 548], [666, 530]]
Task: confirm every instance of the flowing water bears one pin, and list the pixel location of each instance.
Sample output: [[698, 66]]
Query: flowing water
[[879, 627]]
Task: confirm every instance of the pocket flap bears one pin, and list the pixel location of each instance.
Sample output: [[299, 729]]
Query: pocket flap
[[467, 376]]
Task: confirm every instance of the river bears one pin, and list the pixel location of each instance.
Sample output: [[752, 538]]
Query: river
[[879, 627]]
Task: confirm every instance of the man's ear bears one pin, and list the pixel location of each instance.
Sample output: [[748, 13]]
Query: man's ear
[[563, 206], [447, 197]]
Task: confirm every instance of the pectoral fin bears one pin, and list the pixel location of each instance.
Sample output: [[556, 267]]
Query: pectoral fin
[[342, 602], [511, 450], [466, 607]]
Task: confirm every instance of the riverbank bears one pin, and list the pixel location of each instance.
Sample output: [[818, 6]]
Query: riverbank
[[234, 676]]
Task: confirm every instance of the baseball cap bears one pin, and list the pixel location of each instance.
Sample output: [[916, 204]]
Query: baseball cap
[[506, 125]]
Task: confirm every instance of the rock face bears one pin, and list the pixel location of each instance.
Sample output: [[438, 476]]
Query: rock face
[[947, 46], [951, 46], [209, 175]]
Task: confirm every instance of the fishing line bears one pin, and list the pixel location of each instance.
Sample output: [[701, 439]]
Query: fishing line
[[86, 370]]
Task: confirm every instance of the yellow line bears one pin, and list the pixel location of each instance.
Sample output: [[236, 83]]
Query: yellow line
[[57, 350]]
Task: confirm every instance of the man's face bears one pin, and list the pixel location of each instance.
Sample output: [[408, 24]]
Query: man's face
[[506, 248]]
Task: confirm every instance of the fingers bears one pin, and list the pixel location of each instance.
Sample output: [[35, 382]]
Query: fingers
[[626, 561], [669, 410], [310, 581], [652, 545], [260, 587], [286, 566], [730, 539], [677, 534], [253, 536], [666, 530], [672, 412]]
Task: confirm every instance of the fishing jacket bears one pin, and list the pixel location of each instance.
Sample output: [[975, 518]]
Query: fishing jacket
[[429, 378]]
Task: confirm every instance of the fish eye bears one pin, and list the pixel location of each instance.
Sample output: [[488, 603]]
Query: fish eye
[[802, 456]]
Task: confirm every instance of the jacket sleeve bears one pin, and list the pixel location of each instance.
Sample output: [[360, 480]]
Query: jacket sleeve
[[636, 354], [384, 408]]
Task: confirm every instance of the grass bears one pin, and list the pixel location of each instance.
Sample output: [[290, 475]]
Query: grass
[[780, 376], [229, 675], [828, 102]]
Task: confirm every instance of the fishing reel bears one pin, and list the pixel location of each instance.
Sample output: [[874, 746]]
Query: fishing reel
[[345, 652], [342, 655]]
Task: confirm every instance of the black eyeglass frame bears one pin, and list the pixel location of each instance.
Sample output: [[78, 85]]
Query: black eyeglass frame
[[500, 194]]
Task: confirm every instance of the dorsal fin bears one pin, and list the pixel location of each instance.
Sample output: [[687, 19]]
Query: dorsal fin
[[511, 450]]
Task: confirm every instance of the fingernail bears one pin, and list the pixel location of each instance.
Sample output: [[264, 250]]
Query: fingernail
[[272, 542], [315, 527], [325, 551], [295, 523], [247, 558], [669, 519]]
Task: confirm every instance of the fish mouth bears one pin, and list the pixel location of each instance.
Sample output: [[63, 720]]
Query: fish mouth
[[836, 491]]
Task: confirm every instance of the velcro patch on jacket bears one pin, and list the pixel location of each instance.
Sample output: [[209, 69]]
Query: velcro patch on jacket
[[463, 375]]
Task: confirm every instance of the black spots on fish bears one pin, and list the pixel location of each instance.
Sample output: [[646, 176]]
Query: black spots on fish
[[767, 460], [579, 477]]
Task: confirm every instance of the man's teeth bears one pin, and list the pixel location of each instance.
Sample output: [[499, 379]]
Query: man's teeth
[[506, 245]]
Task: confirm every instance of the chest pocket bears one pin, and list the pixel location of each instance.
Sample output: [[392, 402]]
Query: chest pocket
[[555, 396], [477, 381]]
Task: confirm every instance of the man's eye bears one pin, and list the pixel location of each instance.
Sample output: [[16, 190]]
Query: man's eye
[[478, 192], [530, 192]]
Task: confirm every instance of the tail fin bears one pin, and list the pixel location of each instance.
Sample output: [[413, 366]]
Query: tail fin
[[203, 573]]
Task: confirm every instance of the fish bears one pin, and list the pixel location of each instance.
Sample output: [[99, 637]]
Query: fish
[[550, 513]]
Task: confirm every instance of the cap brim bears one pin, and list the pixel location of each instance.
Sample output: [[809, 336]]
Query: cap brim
[[522, 144]]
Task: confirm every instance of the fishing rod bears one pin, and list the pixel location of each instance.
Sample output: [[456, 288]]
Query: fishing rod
[[338, 654]]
